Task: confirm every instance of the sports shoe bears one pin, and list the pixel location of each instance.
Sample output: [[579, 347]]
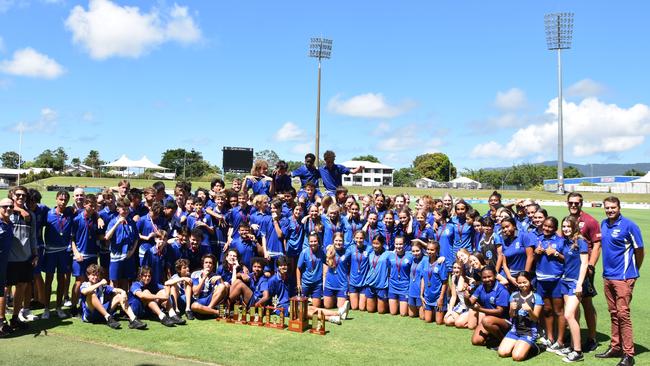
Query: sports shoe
[[545, 342], [177, 320], [16, 323], [564, 351], [335, 319], [137, 324], [555, 348], [5, 329], [46, 314], [111, 322], [590, 345], [25, 315], [344, 310], [61, 314], [66, 302], [167, 321], [574, 356], [189, 315]]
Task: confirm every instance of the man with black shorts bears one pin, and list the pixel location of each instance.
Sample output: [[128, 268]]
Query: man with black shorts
[[590, 231], [23, 256]]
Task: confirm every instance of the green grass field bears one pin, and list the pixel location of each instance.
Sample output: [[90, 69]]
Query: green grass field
[[383, 339]]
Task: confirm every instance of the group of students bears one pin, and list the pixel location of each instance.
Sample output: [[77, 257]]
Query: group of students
[[514, 276]]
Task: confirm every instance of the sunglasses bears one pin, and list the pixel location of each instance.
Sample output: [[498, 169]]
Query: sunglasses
[[574, 203], [20, 194], [7, 207]]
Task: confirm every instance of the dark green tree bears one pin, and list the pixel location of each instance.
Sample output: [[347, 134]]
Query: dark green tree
[[404, 177], [270, 156], [186, 163], [435, 166], [629, 173], [370, 158], [10, 159]]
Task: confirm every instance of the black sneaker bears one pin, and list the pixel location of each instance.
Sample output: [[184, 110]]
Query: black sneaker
[[590, 345], [189, 315], [167, 321], [137, 324], [74, 312], [16, 324], [573, 356], [178, 320], [114, 324]]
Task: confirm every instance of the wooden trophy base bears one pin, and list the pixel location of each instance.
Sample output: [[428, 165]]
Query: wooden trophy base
[[298, 325]]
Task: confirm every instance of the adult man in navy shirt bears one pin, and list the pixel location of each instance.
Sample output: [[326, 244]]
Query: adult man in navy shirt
[[332, 174], [622, 249]]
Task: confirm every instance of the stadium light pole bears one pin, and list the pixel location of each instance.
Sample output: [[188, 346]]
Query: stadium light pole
[[559, 34], [320, 48], [21, 128]]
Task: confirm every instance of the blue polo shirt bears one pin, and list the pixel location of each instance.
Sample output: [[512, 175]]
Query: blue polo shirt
[[236, 216], [330, 228], [572, 260], [123, 239], [619, 240], [207, 219], [274, 245], [57, 230], [306, 175], [497, 296], [399, 268], [259, 185], [84, 232], [434, 276], [549, 268], [258, 285], [514, 251], [377, 276], [293, 234], [6, 239], [463, 234], [159, 261], [282, 183], [333, 177], [336, 277], [311, 266], [277, 286], [208, 286], [247, 250], [445, 237], [358, 265]]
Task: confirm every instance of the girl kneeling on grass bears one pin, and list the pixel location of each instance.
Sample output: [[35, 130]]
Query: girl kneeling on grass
[[358, 254], [489, 302], [377, 277], [337, 270], [525, 309], [96, 303], [433, 285], [456, 308], [414, 299]]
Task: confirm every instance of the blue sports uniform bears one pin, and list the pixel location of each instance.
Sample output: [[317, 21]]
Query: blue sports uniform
[[105, 246], [123, 240], [293, 233], [434, 276], [549, 269], [205, 294], [423, 233], [514, 252], [497, 296], [103, 293], [274, 244], [258, 286], [351, 226], [398, 281], [311, 270], [336, 278], [306, 175], [57, 241], [206, 219], [390, 233], [330, 228], [247, 250], [138, 307], [160, 261], [236, 216], [259, 185], [84, 233], [358, 268], [377, 278], [445, 237], [147, 225], [373, 232], [572, 262], [332, 177], [523, 327], [463, 234], [279, 287], [415, 276], [6, 241]]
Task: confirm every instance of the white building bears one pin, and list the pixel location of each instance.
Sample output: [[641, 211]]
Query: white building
[[373, 174]]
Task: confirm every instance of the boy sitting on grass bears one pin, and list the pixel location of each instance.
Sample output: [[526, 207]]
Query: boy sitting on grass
[[180, 288], [148, 298], [97, 304]]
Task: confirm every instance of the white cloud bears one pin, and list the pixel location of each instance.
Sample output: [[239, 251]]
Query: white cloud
[[381, 129], [590, 127], [509, 100], [31, 63], [107, 30], [2, 44], [303, 148], [585, 88], [370, 105], [46, 123], [289, 132], [413, 136]]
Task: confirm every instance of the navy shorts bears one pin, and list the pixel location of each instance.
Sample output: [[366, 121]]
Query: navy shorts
[[41, 260], [356, 289], [314, 291], [205, 300], [374, 293], [59, 262], [530, 338], [122, 270], [395, 296], [415, 301], [549, 289], [19, 272], [338, 293], [79, 268], [139, 309], [94, 316]]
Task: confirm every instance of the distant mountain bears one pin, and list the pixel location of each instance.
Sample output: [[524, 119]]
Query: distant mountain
[[597, 170]]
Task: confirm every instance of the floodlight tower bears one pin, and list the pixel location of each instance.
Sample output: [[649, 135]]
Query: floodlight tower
[[559, 34], [320, 48]]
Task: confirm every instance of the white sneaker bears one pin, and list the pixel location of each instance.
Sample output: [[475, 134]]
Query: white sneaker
[[545, 342], [335, 319], [67, 303], [61, 314], [25, 315], [343, 310], [46, 314]]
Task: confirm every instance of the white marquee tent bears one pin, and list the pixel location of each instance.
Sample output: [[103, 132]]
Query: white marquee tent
[[125, 162]]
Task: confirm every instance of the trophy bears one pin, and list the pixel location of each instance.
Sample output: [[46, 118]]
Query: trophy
[[274, 320], [240, 314], [318, 323], [256, 316], [298, 314], [222, 313], [228, 315]]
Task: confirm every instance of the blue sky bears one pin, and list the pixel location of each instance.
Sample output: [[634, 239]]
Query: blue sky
[[472, 79]]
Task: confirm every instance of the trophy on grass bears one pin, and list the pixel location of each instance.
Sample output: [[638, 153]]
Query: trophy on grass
[[222, 313], [256, 316], [240, 314], [228, 315], [318, 323], [273, 319], [298, 314]]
